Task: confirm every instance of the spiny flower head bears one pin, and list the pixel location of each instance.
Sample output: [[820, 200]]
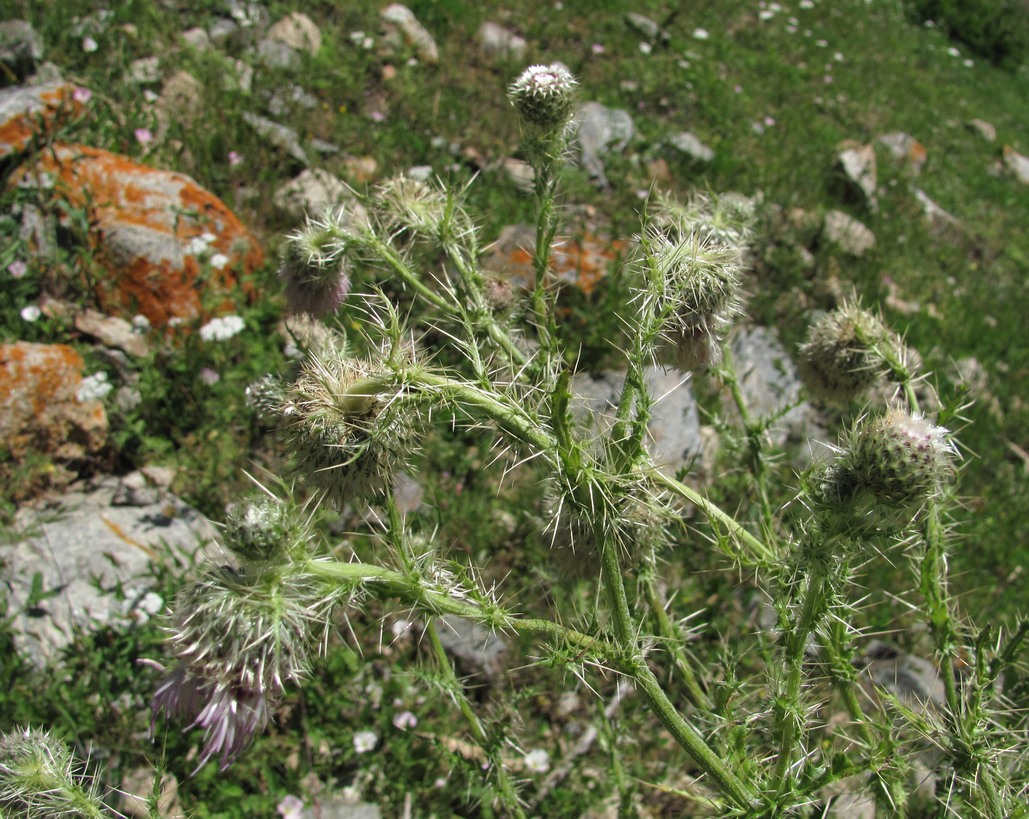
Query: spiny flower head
[[314, 266], [407, 204], [40, 777], [348, 426], [887, 469], [695, 282], [262, 528], [845, 353], [239, 637], [545, 95]]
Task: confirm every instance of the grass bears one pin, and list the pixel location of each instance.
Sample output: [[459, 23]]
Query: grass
[[887, 74]]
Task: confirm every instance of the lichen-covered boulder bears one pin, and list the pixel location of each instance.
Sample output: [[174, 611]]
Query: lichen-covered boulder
[[171, 247], [26, 111], [46, 406]]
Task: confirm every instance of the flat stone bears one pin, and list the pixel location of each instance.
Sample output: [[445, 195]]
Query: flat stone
[[906, 149], [1017, 164], [145, 71], [601, 130], [646, 26], [182, 97], [401, 25], [40, 407], [21, 47], [148, 228], [857, 166], [197, 39], [690, 144], [478, 653], [112, 331], [283, 138], [360, 169], [500, 44], [297, 31], [276, 54], [984, 129], [310, 193], [937, 216], [848, 233], [28, 111], [93, 561]]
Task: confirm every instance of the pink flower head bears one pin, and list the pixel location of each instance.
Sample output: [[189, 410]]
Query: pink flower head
[[209, 377], [81, 95], [17, 269], [144, 136], [235, 159]]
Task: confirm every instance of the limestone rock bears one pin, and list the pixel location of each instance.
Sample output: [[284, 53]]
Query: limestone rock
[[182, 97], [157, 232], [646, 26], [402, 25], [984, 129], [93, 561], [906, 149], [197, 39], [856, 166], [145, 71], [478, 653], [601, 130], [21, 48], [500, 44], [112, 331], [282, 137], [28, 111], [848, 233], [936, 216], [297, 31], [691, 145], [277, 54], [310, 193], [40, 406], [1017, 164]]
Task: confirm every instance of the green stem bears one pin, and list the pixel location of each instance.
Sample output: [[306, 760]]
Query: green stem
[[695, 691]]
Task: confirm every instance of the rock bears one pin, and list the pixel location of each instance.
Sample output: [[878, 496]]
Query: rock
[[848, 233], [157, 232], [21, 48], [182, 97], [937, 216], [856, 165], [500, 44], [297, 31], [601, 130], [647, 27], [276, 54], [341, 807], [222, 30], [520, 173], [402, 26], [40, 406], [283, 138], [1017, 164], [112, 331], [238, 77], [311, 193], [360, 169], [769, 383], [581, 260], [984, 129], [138, 784], [914, 681], [691, 145], [477, 652], [46, 74], [674, 438], [93, 563], [906, 149], [197, 39], [26, 112], [281, 103], [145, 71]]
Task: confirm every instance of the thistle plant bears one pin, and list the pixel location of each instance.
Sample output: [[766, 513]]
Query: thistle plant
[[353, 414]]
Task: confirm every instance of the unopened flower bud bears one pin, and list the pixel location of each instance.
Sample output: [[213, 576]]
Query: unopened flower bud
[[545, 95], [261, 528], [313, 271], [408, 204], [889, 467], [843, 355]]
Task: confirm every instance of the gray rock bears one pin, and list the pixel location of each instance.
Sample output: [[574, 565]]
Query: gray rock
[[21, 48], [27, 111], [339, 807], [984, 129], [1017, 164], [112, 332], [46, 74], [913, 680], [283, 138], [850, 235], [905, 149], [310, 193], [182, 97], [68, 562], [222, 30], [144, 71], [601, 130], [403, 27], [857, 167], [674, 439], [769, 383], [478, 653], [247, 14], [238, 77], [283, 103], [197, 39], [500, 44], [691, 145], [937, 216], [645, 26], [298, 31], [278, 55]]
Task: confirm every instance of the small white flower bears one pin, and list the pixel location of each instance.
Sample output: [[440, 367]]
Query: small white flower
[[17, 269], [31, 313], [953, 52], [222, 328], [807, 4], [537, 761], [290, 807], [700, 34], [197, 246], [219, 260], [969, 63], [766, 14], [89, 45], [646, 48], [140, 323], [93, 387], [208, 237], [365, 741]]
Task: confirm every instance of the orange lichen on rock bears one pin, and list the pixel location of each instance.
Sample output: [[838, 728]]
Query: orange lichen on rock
[[29, 110], [173, 248], [40, 409]]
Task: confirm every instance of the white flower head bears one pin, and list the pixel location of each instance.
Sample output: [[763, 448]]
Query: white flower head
[[545, 95], [537, 761], [365, 741], [222, 328]]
